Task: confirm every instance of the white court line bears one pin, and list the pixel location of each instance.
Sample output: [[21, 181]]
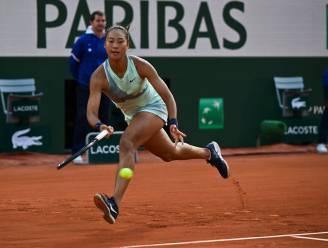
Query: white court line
[[300, 237], [224, 240]]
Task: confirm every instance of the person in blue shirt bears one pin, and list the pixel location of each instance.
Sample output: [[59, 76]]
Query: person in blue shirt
[[87, 54], [323, 127]]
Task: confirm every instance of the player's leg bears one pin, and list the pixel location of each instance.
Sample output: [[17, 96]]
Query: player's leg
[[161, 145], [142, 127]]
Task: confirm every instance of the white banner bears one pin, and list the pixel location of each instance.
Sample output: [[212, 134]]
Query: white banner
[[195, 28]]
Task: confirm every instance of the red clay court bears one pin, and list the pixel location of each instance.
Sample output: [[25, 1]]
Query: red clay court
[[271, 200]]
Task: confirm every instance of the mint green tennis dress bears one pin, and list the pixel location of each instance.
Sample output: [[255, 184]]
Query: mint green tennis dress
[[133, 94]]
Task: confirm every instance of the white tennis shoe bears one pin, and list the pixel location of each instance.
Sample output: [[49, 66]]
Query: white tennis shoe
[[321, 148], [79, 160]]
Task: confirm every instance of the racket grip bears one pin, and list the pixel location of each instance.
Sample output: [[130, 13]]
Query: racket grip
[[101, 135]]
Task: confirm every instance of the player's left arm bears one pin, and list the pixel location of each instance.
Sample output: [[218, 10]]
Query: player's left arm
[[147, 70]]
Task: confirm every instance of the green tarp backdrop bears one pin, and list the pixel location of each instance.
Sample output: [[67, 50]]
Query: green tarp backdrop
[[219, 58]]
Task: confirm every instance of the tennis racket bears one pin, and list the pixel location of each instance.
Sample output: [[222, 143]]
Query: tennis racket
[[99, 137]]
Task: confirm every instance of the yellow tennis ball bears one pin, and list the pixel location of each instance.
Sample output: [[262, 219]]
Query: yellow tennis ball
[[126, 173]]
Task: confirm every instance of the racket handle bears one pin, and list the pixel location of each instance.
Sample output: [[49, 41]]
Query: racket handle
[[101, 135]]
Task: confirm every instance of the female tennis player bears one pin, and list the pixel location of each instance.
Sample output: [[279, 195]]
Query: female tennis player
[[134, 85]]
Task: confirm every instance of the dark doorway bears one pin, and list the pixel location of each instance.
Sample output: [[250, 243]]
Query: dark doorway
[[70, 111]]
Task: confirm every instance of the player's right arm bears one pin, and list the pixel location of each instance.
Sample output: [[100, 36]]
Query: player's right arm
[[98, 84]]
